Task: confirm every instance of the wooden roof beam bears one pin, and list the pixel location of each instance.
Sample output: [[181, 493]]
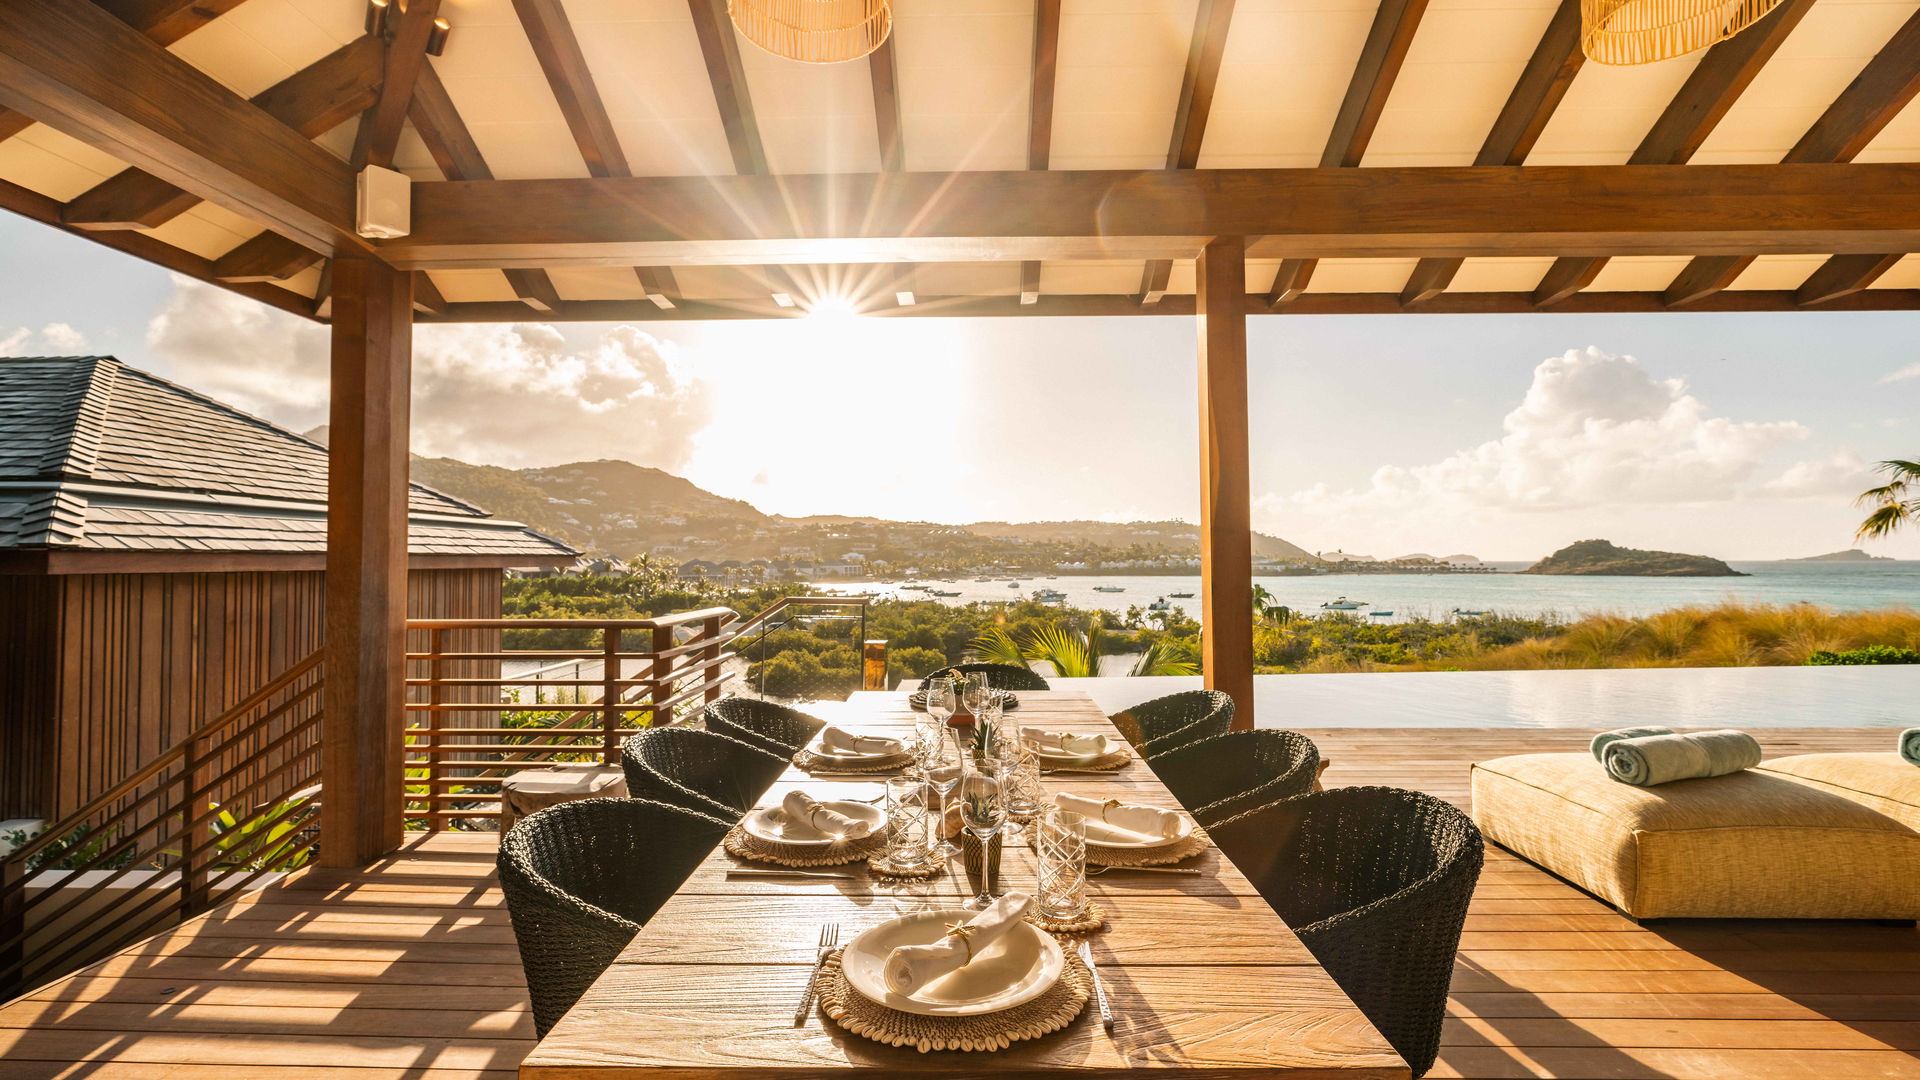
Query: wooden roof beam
[[311, 101], [720, 49], [1843, 275], [406, 58], [1888, 83], [658, 282], [1046, 55], [1722, 75], [164, 21], [884, 76], [1543, 82], [1394, 24], [1212, 20], [565, 66], [1159, 214], [266, 257]]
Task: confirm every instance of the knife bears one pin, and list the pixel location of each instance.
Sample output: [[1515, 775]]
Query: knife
[[1099, 987]]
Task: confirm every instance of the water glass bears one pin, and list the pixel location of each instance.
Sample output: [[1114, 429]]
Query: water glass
[[1024, 795], [1060, 841], [909, 822]]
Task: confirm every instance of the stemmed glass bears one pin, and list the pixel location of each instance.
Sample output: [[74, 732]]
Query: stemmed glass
[[941, 699], [983, 811], [941, 761], [978, 695]]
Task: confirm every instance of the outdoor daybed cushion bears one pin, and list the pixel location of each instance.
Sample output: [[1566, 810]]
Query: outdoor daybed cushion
[[1886, 783], [1750, 845]]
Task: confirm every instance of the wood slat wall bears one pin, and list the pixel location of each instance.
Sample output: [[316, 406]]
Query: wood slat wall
[[103, 671]]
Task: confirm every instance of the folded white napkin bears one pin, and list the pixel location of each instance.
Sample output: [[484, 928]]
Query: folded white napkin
[[911, 967], [1066, 742], [1148, 821], [846, 742], [800, 806]]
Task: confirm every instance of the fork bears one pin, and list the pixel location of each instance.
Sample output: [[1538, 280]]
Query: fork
[[829, 937], [1097, 870]]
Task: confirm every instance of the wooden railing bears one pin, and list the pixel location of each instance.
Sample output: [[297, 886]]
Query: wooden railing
[[479, 712], [236, 799], [790, 611]]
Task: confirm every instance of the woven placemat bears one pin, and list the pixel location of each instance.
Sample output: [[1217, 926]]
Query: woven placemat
[[1093, 918], [880, 865], [743, 844], [1159, 856], [812, 762], [1043, 1015], [1110, 762]]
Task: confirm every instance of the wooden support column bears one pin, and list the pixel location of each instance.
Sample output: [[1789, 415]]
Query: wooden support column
[[1226, 519], [366, 584]]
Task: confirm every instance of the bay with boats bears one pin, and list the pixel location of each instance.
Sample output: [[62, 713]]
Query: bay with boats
[[1841, 586]]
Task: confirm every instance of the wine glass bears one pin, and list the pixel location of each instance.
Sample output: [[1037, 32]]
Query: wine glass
[[943, 765], [978, 694], [983, 811], [941, 700]]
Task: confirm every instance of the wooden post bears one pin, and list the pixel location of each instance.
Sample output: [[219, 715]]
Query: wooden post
[[362, 730], [436, 696], [1226, 522], [609, 696], [710, 629]]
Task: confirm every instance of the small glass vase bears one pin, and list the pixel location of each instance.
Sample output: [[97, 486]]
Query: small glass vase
[[982, 860]]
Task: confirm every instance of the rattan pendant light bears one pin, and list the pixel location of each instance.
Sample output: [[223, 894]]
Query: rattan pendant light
[[814, 31], [1643, 31]]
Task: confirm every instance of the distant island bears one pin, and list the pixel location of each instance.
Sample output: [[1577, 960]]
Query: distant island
[[1598, 557], [1849, 555]]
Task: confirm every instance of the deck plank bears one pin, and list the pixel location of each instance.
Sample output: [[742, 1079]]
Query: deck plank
[[407, 969]]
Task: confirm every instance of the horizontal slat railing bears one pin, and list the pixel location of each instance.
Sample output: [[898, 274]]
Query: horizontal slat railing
[[233, 800], [478, 713]]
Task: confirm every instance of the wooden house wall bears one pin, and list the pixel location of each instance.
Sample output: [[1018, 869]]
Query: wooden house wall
[[113, 668]]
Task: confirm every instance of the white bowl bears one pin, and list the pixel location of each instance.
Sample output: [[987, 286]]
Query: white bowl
[[1023, 964], [1102, 835], [774, 826]]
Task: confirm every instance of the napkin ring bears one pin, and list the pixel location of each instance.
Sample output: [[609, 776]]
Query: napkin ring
[[963, 933], [1107, 806]]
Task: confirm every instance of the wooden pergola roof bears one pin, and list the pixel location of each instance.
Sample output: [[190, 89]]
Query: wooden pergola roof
[[624, 159]]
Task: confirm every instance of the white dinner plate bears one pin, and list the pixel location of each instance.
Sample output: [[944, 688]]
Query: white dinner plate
[[1050, 753], [818, 749], [1017, 968], [773, 825], [1102, 835]]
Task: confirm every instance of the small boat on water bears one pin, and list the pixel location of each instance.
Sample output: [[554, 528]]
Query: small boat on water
[[1109, 588], [982, 580], [1343, 604], [1463, 612], [1050, 596], [1181, 595], [1379, 614], [1013, 584], [943, 592], [1162, 604]]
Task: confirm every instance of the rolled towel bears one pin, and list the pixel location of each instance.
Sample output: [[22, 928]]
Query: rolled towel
[[800, 806], [1066, 742], [1606, 738], [1149, 821], [911, 967], [846, 742], [1661, 759], [1910, 745]]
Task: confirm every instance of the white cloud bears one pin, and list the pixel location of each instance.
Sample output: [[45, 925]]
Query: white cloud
[[53, 339], [1911, 371], [507, 394]]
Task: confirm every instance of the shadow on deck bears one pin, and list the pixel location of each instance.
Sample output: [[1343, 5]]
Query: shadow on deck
[[408, 969]]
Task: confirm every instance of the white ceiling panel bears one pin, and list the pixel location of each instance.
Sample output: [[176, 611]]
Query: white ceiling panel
[[1904, 275], [55, 165], [473, 286], [1118, 81], [964, 78], [596, 283], [1778, 272], [1284, 72], [1638, 273], [1516, 274], [1361, 275], [1608, 110], [1077, 278], [262, 42], [646, 63], [814, 118], [497, 86], [1458, 74]]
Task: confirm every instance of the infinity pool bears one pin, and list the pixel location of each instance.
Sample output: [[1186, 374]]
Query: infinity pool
[[1681, 697]]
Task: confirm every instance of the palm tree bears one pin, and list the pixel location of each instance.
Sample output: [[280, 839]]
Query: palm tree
[[1073, 655], [1892, 509], [1268, 608]]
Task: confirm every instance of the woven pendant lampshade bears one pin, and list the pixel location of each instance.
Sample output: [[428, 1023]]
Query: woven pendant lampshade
[[814, 31], [1643, 31]]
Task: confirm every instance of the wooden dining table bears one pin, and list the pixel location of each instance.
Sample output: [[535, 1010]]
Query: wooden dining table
[[1203, 977]]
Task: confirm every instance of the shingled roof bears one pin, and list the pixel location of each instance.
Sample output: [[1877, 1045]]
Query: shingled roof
[[99, 456]]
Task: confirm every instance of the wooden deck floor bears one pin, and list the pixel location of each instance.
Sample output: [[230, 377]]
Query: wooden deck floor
[[408, 970]]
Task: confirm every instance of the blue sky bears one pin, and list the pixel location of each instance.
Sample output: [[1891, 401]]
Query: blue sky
[[1505, 436]]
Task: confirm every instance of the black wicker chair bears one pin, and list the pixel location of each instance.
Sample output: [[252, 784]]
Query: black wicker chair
[[999, 676], [1219, 777], [1375, 881], [704, 771], [773, 728], [1168, 723], [582, 877]]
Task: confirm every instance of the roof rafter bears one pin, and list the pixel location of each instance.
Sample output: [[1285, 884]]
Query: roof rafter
[[406, 57], [1046, 55], [884, 75], [1722, 75], [1883, 88], [558, 50], [1843, 275], [311, 101], [1537, 93], [266, 257], [1389, 38], [1212, 20]]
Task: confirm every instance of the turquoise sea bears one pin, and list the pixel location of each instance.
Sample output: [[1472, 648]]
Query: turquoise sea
[[1843, 586]]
